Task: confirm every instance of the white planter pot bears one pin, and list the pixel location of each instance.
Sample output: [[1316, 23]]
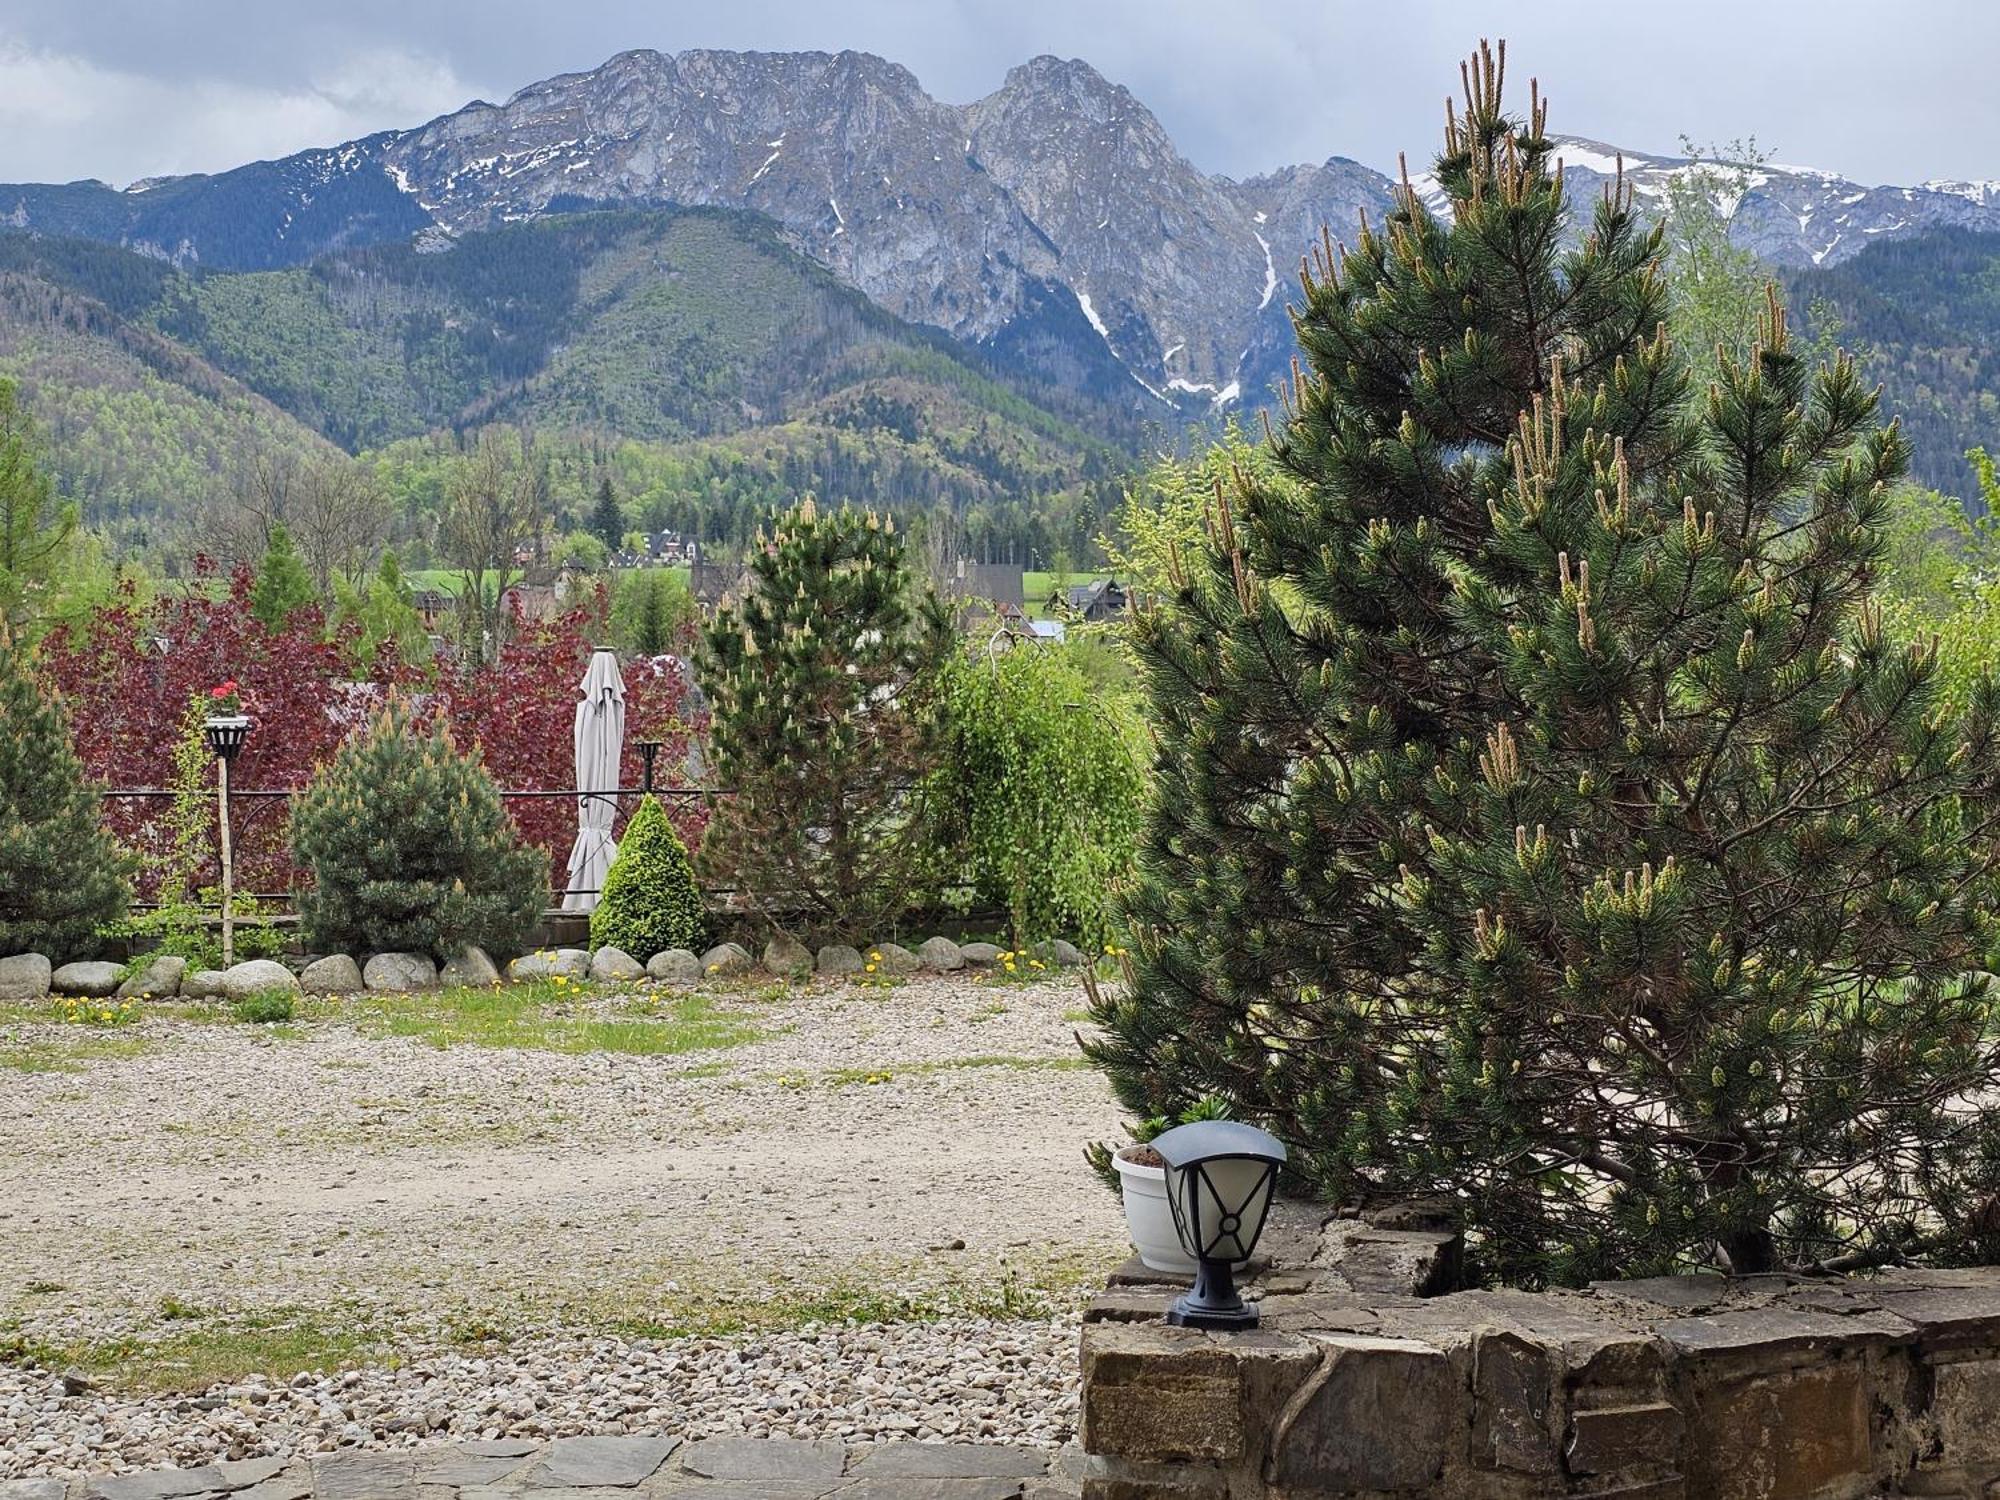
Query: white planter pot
[[1148, 1218]]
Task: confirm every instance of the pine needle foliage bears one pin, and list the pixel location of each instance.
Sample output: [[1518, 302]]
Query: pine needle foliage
[[61, 875], [410, 850], [650, 901], [821, 683], [1545, 816]]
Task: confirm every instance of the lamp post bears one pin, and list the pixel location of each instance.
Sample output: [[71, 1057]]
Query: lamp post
[[1221, 1175], [225, 734], [647, 750]]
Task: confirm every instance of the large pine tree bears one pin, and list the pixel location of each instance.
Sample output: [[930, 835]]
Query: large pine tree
[[1545, 817], [61, 876], [820, 683]]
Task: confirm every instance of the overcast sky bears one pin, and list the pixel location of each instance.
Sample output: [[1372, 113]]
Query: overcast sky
[[121, 89]]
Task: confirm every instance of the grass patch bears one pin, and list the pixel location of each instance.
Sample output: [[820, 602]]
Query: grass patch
[[724, 1313], [842, 1077], [265, 1008], [70, 1054], [193, 1354], [551, 1018]]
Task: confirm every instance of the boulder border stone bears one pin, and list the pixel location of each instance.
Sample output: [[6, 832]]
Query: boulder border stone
[[94, 978], [399, 973], [336, 974], [676, 966]]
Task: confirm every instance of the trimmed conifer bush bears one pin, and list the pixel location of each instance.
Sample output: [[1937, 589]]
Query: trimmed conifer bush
[[1546, 817], [61, 875], [410, 850], [650, 902]]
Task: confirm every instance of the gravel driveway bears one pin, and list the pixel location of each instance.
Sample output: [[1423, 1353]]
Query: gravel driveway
[[325, 1197]]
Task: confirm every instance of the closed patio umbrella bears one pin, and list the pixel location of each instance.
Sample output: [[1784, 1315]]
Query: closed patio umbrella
[[600, 738]]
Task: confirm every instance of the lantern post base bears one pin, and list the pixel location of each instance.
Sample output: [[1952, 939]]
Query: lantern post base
[[1213, 1303]]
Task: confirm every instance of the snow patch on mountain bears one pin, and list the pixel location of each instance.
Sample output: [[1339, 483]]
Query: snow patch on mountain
[[1090, 312]]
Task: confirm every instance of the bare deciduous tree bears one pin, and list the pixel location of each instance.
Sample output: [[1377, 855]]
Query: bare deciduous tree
[[495, 513], [336, 513]]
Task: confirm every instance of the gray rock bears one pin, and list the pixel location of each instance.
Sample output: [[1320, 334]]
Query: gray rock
[[154, 1484], [1382, 1417], [980, 955], [472, 967], [159, 980], [623, 1461], [951, 1461], [838, 958], [255, 976], [33, 1489], [399, 973], [920, 1487], [726, 961], [96, 979], [1514, 1396], [202, 984], [787, 957], [940, 955], [500, 1447], [616, 966], [780, 1459], [1392, 1262], [457, 1467], [284, 1487], [364, 1476], [1065, 955], [336, 974], [531, 966], [241, 1473], [571, 963], [675, 966], [894, 958]]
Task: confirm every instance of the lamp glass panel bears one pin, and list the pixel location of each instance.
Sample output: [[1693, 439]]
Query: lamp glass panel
[[1219, 1205]]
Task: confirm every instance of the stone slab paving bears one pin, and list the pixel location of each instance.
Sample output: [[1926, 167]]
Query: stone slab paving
[[606, 1468]]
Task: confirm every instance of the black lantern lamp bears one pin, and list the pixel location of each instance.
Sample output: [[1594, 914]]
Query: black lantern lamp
[[647, 750], [226, 734], [1221, 1175]]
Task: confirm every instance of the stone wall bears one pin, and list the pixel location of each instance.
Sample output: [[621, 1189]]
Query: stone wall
[[1681, 1388]]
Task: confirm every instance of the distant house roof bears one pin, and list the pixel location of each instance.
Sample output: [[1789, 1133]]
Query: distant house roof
[[1049, 630], [1105, 592]]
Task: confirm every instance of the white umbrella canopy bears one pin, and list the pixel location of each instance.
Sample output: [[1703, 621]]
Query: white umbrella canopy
[[600, 738]]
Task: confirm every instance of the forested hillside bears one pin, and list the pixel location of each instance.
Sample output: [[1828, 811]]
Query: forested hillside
[[142, 432], [688, 354], [1924, 316]]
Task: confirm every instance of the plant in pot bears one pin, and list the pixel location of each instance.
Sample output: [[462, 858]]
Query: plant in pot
[[225, 703], [1139, 1176]]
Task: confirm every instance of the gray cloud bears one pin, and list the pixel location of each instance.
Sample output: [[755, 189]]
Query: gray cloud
[[128, 88]]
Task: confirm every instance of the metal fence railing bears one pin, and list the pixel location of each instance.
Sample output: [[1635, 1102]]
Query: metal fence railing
[[250, 806]]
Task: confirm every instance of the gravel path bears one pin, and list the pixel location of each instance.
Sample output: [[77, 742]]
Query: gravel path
[[508, 1242]]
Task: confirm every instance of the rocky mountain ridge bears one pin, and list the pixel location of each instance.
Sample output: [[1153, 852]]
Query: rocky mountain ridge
[[1055, 209]]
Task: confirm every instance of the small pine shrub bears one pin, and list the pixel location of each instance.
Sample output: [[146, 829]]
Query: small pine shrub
[[264, 1008], [650, 901], [61, 876], [410, 850]]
